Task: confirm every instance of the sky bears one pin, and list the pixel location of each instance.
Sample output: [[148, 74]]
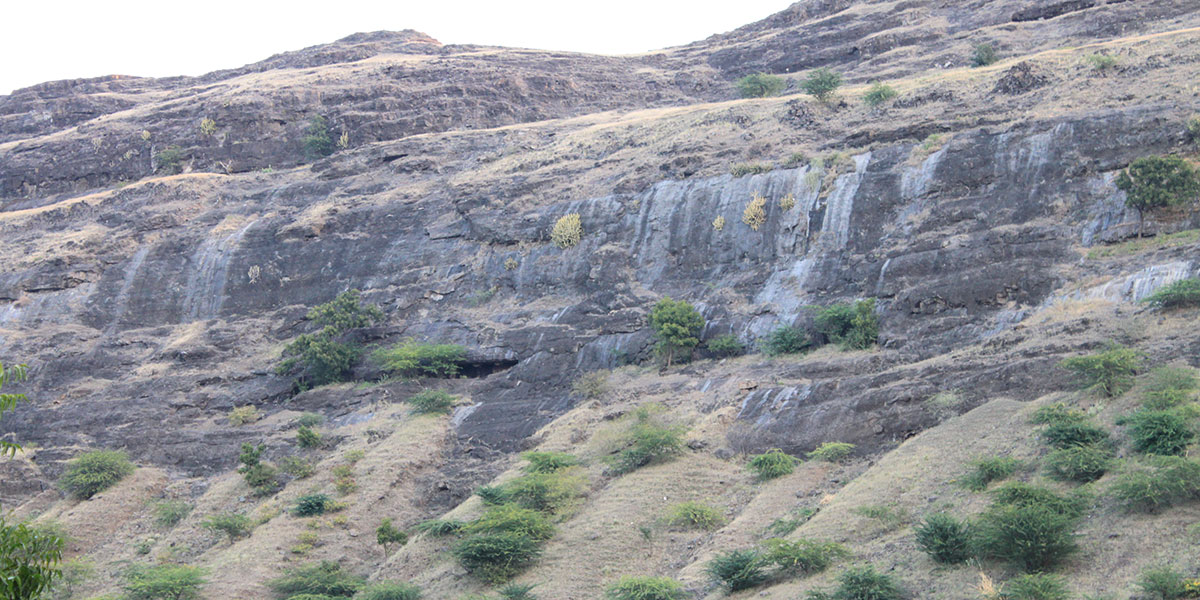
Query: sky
[[45, 40]]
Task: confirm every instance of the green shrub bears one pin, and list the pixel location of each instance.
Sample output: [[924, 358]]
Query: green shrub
[[324, 359], [414, 359], [760, 85], [822, 83], [986, 470], [645, 588], [831, 452], [1180, 294], [785, 525], [1036, 586], [803, 557], [694, 515], [169, 161], [316, 141], [567, 231], [725, 345], [510, 518], [233, 525], [345, 312], [785, 340], [646, 442], [737, 569], [93, 472], [593, 385], [297, 467], [307, 437], [772, 464], [852, 326], [1081, 464], [517, 591], [1021, 494], [1056, 413], [548, 462], [1101, 62], [241, 415], [439, 527], [30, 556], [1168, 387], [865, 583], [431, 402], [1161, 482], [387, 535], [1155, 182], [168, 513], [1193, 128], [744, 169], [1067, 434], [309, 419], [325, 578], [389, 590], [1034, 537], [546, 492], [311, 505], [983, 55], [879, 93], [1163, 432], [176, 582], [497, 557], [1110, 372], [944, 538], [677, 326], [1163, 583]]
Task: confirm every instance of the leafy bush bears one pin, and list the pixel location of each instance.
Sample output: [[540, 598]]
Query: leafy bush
[[311, 505], [497, 557], [725, 345], [1168, 387], [879, 93], [546, 492], [785, 340], [345, 312], [567, 231], [439, 527], [29, 556], [1180, 294], [325, 360], [760, 85], [316, 141], [1021, 494], [389, 590], [1081, 464], [93, 472], [803, 557], [431, 402], [983, 55], [297, 467], [1033, 537], [548, 462], [694, 515], [413, 359], [510, 518], [772, 464], [242, 415], [593, 385], [1161, 482], [677, 326], [1036, 586], [831, 452], [986, 470], [646, 442], [177, 582], [169, 161], [233, 525], [944, 538], [1163, 583], [645, 588], [387, 535], [1158, 181], [325, 578], [865, 583], [852, 326], [737, 569], [1164, 432], [168, 513], [1067, 434], [1056, 413], [822, 82], [1101, 62], [307, 437]]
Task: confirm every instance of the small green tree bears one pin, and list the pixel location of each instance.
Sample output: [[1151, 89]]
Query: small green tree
[[29, 560], [316, 140], [1155, 182], [260, 476], [852, 326], [760, 85], [345, 312], [983, 55], [325, 359], [822, 83], [879, 93], [677, 325], [307, 437], [387, 535], [163, 582], [1110, 372], [944, 538]]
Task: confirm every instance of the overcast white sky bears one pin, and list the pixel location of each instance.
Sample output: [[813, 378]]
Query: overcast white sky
[[44, 40]]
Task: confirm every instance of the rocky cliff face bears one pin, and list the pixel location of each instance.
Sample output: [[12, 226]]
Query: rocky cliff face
[[149, 306]]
